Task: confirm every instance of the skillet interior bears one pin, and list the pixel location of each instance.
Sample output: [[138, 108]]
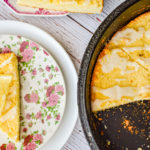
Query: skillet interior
[[94, 128]]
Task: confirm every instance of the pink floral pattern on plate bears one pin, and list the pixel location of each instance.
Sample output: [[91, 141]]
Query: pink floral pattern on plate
[[31, 11], [43, 93]]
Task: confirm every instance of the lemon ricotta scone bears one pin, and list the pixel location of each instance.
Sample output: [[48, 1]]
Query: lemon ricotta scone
[[5, 82], [82, 6], [134, 39], [9, 118], [122, 71]]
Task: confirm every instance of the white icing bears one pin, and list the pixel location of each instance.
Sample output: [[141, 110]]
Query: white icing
[[147, 34], [8, 104], [97, 103], [6, 61], [116, 92], [128, 35], [9, 115], [132, 49], [6, 77], [113, 60]]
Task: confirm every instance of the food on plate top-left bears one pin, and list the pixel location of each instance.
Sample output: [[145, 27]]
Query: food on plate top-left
[[9, 96]]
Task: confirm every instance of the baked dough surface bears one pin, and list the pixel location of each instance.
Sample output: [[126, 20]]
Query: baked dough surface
[[10, 113], [122, 72]]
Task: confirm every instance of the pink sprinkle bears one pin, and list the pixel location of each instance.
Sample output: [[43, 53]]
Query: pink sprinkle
[[58, 117], [38, 115], [48, 68], [48, 117], [28, 116], [45, 53], [6, 50], [23, 46], [59, 88], [34, 45], [56, 68], [27, 98], [31, 146], [98, 19], [34, 72], [19, 37], [50, 76], [41, 70], [44, 132], [46, 80], [10, 146], [23, 72], [53, 100], [30, 124], [25, 130], [27, 55], [38, 137], [42, 121], [34, 98], [50, 90], [44, 104]]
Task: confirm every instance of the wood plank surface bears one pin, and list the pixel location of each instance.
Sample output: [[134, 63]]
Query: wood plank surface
[[74, 33]]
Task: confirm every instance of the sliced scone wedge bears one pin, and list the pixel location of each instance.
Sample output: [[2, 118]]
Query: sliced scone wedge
[[10, 116], [134, 39], [118, 80], [80, 6]]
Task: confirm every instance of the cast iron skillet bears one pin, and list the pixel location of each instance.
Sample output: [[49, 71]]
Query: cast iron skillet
[[128, 129]]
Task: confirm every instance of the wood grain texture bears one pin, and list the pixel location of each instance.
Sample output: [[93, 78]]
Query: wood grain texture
[[74, 33], [91, 22]]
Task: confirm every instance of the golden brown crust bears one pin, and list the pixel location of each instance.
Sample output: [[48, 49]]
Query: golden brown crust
[[97, 72]]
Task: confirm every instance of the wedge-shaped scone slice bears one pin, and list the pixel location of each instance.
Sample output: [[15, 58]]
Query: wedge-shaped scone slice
[[118, 80], [134, 39], [9, 119], [5, 81], [81, 6], [135, 34]]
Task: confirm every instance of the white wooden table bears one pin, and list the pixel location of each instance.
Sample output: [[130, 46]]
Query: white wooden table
[[73, 32]]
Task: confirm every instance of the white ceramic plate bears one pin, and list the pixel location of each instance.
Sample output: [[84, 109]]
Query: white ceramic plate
[[43, 92], [27, 11], [70, 76]]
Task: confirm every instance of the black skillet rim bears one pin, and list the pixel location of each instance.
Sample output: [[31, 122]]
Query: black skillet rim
[[85, 66]]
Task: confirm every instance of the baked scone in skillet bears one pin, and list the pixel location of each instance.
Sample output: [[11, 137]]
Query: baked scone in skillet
[[122, 71]]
